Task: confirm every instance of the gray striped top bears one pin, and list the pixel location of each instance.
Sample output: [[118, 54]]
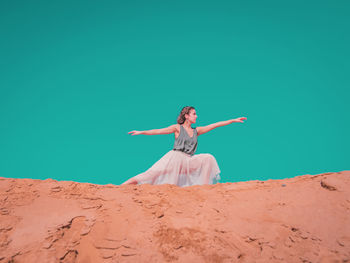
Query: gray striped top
[[185, 143]]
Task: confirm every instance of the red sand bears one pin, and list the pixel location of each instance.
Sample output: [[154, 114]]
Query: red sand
[[302, 219]]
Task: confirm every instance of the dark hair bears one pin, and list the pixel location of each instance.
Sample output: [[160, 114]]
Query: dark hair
[[185, 110]]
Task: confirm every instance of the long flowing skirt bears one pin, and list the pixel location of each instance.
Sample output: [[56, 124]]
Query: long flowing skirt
[[179, 168]]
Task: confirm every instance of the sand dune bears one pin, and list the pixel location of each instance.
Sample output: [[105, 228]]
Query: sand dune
[[302, 219]]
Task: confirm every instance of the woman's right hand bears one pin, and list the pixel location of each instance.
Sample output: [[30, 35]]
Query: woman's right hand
[[135, 132]]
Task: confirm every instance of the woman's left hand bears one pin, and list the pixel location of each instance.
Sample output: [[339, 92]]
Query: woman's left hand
[[240, 119]]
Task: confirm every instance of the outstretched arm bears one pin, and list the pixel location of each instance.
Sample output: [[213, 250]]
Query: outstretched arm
[[167, 130], [204, 129]]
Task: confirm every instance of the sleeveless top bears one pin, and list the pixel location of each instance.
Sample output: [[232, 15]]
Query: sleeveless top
[[185, 143]]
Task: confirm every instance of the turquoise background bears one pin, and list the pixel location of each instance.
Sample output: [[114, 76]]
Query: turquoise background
[[77, 76]]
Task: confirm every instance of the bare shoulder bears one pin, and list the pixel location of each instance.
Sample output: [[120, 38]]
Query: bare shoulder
[[174, 128], [177, 130], [177, 127], [205, 129], [167, 130], [200, 130]]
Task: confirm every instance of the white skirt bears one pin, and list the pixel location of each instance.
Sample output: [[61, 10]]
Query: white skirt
[[182, 169]]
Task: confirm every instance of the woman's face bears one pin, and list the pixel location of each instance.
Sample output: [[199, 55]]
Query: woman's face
[[192, 116]]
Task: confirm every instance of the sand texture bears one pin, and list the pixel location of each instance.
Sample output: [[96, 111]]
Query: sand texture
[[301, 219]]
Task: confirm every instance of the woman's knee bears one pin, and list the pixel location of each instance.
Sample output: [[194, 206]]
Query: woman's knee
[[209, 157]]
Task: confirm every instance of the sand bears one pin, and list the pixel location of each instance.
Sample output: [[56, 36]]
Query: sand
[[301, 219]]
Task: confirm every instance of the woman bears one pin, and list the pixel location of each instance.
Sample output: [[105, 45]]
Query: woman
[[180, 165]]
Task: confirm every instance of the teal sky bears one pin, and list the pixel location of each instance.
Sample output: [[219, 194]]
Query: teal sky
[[77, 76]]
